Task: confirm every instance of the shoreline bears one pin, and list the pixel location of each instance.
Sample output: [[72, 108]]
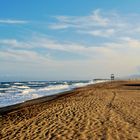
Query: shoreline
[[108, 110], [56, 93], [14, 107], [35, 101]]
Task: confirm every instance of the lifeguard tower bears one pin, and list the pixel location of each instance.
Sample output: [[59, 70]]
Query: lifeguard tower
[[112, 77]]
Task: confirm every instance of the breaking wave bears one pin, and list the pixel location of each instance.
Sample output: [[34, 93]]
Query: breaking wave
[[17, 92]]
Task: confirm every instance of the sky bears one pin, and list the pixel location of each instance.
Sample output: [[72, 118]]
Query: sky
[[68, 39]]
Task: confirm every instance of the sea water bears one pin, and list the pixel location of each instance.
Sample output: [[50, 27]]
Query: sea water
[[18, 92]]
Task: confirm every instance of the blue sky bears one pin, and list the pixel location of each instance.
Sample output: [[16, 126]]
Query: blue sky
[[68, 39]]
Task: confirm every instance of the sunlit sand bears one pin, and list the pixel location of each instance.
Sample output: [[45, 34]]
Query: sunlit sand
[[108, 110]]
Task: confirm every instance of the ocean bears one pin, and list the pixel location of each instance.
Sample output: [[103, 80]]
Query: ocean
[[18, 92]]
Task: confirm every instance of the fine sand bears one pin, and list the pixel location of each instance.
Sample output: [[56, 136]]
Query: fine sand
[[103, 111]]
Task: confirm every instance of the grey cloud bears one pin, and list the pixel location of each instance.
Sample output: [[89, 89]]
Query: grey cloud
[[13, 21]]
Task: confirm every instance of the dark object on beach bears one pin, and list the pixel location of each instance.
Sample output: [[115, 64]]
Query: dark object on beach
[[112, 77]]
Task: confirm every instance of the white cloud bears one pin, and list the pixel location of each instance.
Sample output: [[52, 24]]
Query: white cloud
[[59, 26], [99, 33], [97, 18], [119, 57], [119, 54], [99, 23], [85, 22], [13, 43], [134, 43], [12, 21], [22, 56], [125, 46]]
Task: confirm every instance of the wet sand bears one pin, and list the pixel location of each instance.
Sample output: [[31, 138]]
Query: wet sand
[[103, 111]]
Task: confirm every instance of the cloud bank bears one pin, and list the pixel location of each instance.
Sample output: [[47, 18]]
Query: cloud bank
[[117, 50]]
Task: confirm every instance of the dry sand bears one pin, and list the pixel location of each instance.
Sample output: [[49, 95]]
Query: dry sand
[[103, 111]]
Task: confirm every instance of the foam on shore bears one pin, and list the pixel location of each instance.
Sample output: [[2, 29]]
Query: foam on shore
[[18, 92]]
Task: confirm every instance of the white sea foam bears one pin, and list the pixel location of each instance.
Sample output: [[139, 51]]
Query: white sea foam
[[20, 87], [4, 89], [20, 93], [27, 91], [36, 83], [6, 84], [82, 84], [55, 87], [1, 94], [18, 83], [35, 96], [23, 87]]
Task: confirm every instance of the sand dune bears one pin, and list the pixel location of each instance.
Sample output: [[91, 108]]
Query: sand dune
[[102, 111]]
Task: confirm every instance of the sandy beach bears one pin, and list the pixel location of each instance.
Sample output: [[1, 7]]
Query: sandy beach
[[105, 111]]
